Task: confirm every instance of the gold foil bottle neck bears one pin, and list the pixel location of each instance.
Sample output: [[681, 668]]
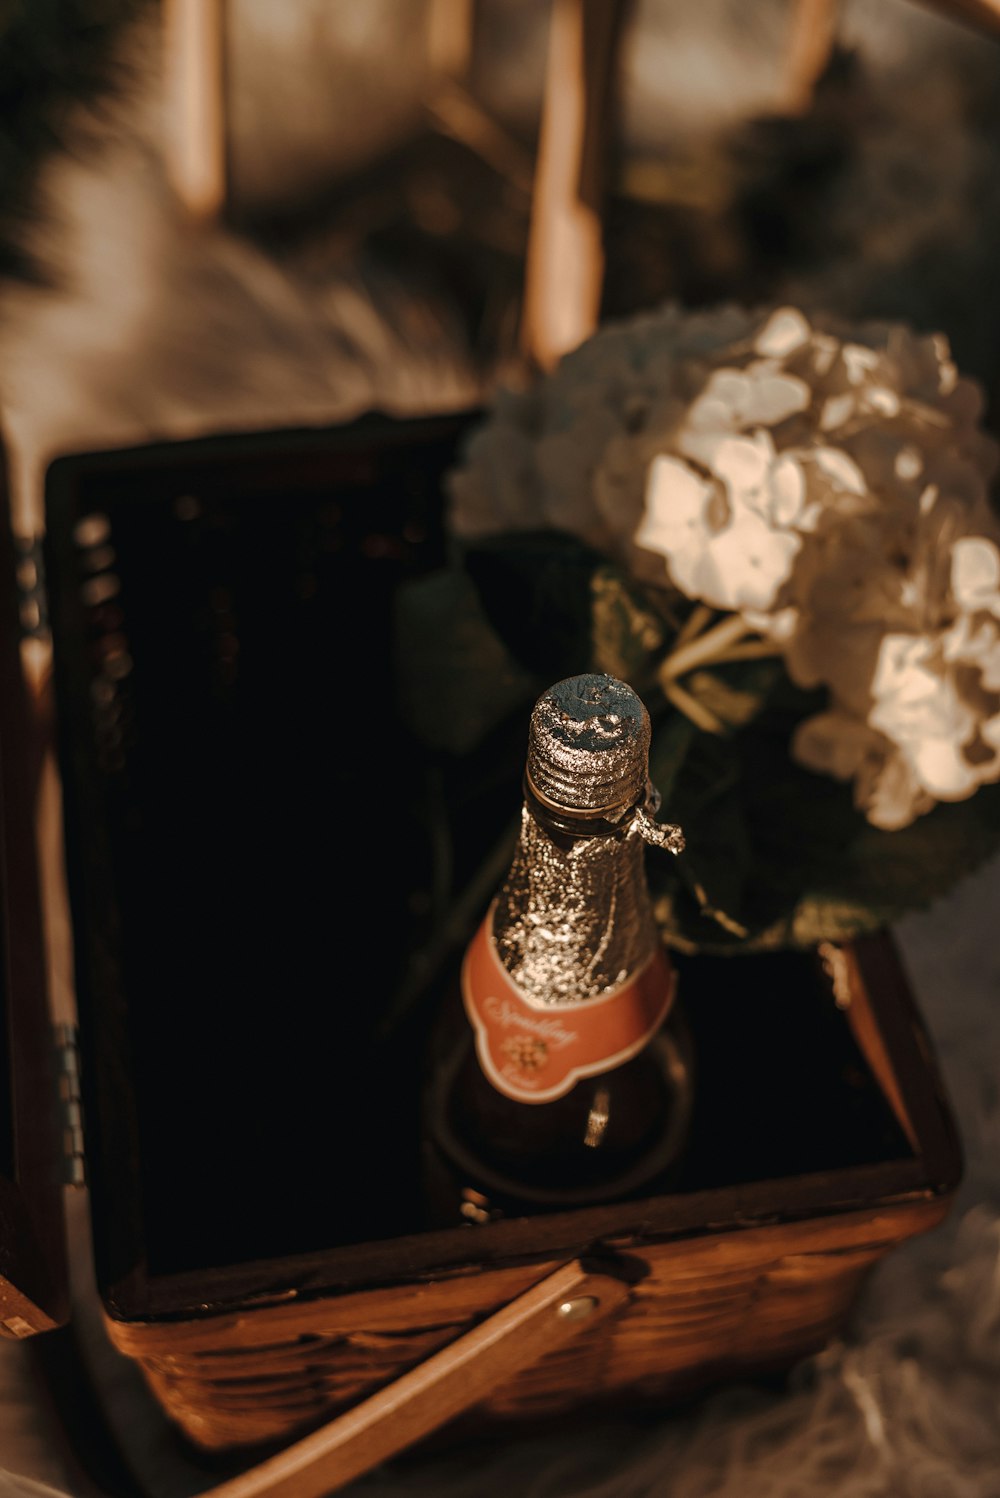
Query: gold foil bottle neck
[[588, 746], [573, 917]]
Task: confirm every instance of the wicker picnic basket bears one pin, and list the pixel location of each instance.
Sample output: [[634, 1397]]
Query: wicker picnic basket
[[252, 1147]]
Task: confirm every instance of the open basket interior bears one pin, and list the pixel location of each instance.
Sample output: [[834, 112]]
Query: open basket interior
[[259, 847]]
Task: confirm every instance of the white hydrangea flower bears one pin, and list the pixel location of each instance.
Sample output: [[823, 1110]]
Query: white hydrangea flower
[[572, 452], [840, 744], [827, 486], [740, 401], [975, 641], [975, 574], [723, 537], [919, 706], [888, 792]]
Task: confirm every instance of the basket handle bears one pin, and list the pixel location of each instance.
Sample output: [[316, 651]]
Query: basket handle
[[452, 1380]]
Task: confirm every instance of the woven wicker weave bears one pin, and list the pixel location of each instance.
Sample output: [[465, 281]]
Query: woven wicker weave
[[708, 1309]]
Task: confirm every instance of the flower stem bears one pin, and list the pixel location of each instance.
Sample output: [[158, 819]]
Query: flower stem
[[753, 650], [693, 624], [704, 648], [691, 707]]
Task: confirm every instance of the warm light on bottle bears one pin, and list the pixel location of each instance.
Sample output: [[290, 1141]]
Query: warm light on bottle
[[569, 1083]]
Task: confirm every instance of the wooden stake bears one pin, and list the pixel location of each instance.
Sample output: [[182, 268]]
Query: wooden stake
[[565, 259], [194, 98], [811, 39], [449, 37]]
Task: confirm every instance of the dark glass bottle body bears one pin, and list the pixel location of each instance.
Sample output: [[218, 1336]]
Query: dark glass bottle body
[[575, 903]]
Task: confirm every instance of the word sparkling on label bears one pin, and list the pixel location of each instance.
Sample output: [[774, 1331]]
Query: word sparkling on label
[[535, 1052]]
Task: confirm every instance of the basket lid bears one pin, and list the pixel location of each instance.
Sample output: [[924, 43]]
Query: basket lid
[[33, 1279]]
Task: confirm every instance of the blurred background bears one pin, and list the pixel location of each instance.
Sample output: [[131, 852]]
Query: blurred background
[[261, 213], [218, 214]]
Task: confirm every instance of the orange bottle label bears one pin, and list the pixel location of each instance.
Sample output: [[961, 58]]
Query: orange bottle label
[[535, 1052]]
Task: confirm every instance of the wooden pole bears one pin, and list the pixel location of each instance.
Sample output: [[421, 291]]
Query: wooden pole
[[195, 105], [811, 38], [565, 258], [450, 26]]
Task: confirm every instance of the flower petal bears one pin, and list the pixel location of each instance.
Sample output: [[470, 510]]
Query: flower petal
[[975, 573], [743, 463], [788, 490], [720, 405], [838, 469], [746, 564], [909, 464], [837, 410], [773, 397], [883, 400], [943, 769], [784, 331], [859, 362], [676, 500], [889, 793]]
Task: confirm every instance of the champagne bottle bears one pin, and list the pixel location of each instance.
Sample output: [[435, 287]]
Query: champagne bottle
[[568, 1083]]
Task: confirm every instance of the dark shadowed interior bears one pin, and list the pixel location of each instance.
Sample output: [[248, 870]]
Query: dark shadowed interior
[[251, 841], [6, 1092]]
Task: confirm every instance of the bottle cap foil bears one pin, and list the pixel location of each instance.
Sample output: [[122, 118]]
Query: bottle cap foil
[[588, 746]]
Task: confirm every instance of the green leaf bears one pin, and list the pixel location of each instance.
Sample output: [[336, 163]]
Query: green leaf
[[816, 870], [715, 870], [456, 679], [886, 874], [711, 768], [701, 787]]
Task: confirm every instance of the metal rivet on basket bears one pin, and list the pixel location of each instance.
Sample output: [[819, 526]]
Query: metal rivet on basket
[[576, 1310]]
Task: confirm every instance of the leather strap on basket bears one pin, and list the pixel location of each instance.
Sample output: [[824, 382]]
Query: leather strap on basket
[[454, 1379]]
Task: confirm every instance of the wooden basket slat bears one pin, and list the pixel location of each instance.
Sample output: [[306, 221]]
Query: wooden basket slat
[[393, 1308], [708, 1307], [696, 1264]]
